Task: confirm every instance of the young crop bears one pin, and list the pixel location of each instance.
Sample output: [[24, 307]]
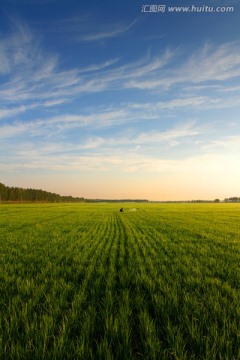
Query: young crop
[[84, 281]]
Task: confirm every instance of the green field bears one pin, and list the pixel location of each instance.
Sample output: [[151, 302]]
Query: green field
[[84, 281]]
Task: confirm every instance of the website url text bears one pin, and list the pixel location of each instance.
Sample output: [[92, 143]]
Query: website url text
[[186, 9]]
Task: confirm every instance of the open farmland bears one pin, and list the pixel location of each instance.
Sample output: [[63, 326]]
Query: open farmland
[[84, 281]]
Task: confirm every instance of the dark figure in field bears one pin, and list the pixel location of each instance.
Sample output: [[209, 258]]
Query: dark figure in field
[[121, 210]]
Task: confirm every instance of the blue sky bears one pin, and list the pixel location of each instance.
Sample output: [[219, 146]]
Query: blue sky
[[103, 100]]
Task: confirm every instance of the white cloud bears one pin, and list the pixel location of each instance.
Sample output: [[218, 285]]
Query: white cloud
[[214, 63], [230, 143], [36, 76], [4, 113], [210, 63], [192, 102], [110, 31], [97, 67], [208, 163], [63, 123], [230, 88], [151, 138]]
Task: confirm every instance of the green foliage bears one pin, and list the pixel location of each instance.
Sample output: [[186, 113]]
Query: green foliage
[[84, 281]]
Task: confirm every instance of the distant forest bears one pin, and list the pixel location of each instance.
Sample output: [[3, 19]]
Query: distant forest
[[232, 199], [16, 194]]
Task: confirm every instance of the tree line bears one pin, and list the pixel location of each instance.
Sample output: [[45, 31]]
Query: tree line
[[17, 194], [232, 199]]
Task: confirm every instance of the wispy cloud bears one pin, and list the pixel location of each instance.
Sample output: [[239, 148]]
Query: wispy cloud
[[108, 117], [231, 143], [210, 63], [8, 112], [189, 102], [153, 138], [110, 31], [97, 67], [91, 145], [63, 123], [32, 75], [135, 162]]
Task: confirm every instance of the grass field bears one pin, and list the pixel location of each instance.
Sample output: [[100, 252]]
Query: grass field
[[84, 281]]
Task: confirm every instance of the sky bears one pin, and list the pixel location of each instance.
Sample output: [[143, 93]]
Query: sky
[[121, 99]]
